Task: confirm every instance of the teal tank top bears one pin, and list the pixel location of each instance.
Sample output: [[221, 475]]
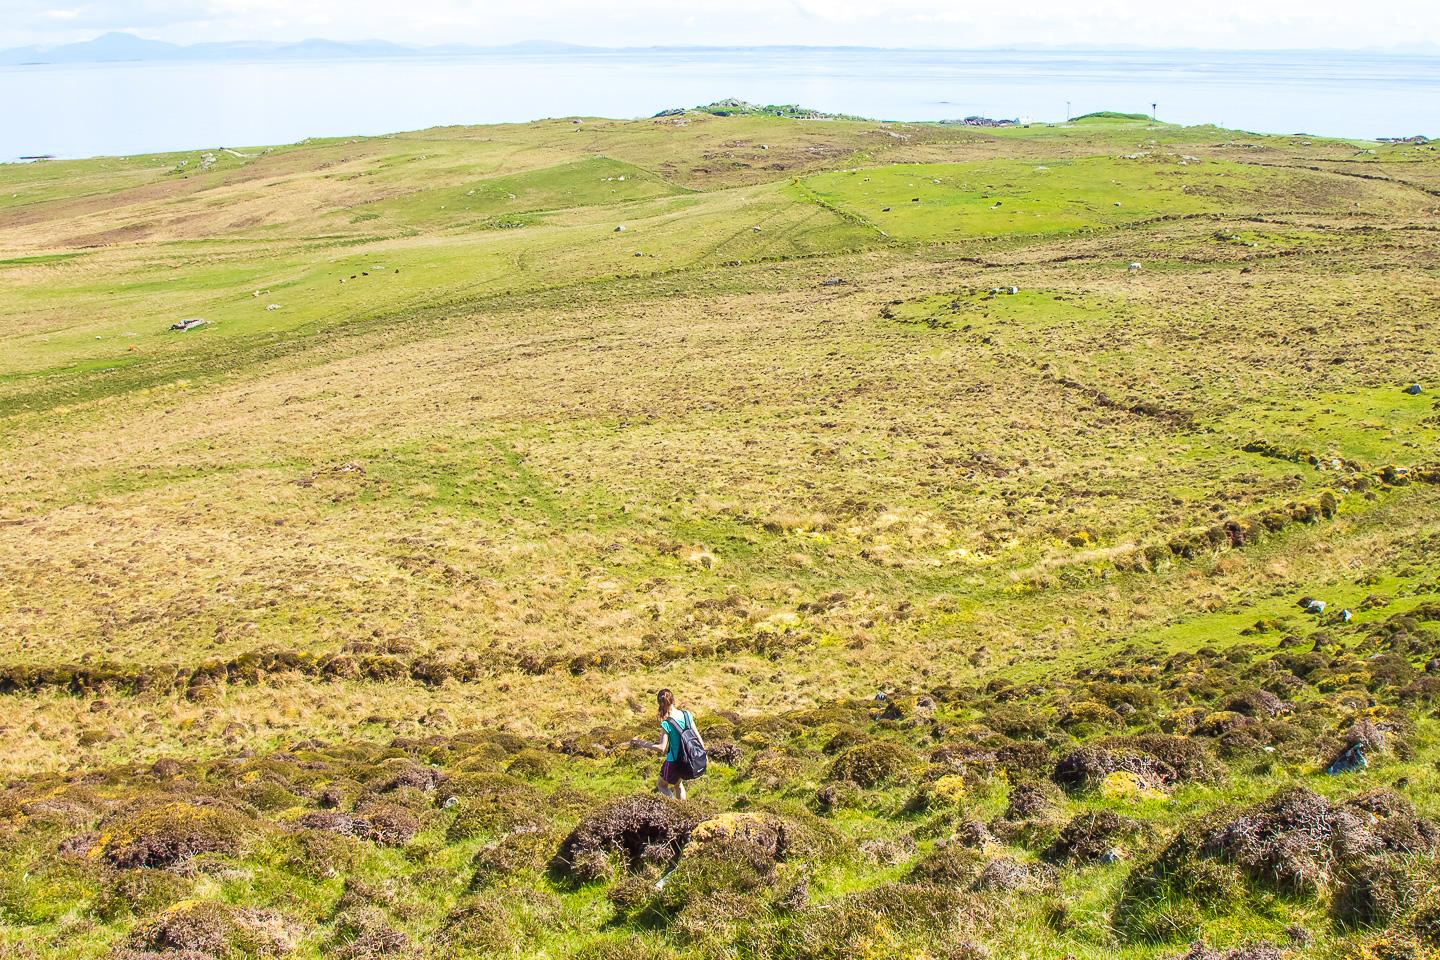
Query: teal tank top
[[668, 726]]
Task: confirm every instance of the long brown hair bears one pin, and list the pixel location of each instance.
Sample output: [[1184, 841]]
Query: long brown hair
[[666, 700]]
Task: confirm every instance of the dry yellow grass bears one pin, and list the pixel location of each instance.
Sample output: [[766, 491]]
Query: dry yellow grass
[[549, 448]]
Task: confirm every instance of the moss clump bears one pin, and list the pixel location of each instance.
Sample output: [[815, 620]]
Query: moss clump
[[1374, 891], [499, 923], [404, 773], [268, 795], [386, 824], [1018, 721], [845, 736], [1090, 715], [1032, 816], [1092, 838], [1007, 875], [1129, 787], [372, 941], [946, 792], [215, 930], [321, 855], [949, 864], [635, 829], [1022, 760], [493, 803], [167, 834], [727, 752], [139, 892], [763, 833], [1297, 844], [530, 764], [895, 919], [773, 770], [521, 853], [1087, 767], [874, 764], [729, 866], [1222, 722]]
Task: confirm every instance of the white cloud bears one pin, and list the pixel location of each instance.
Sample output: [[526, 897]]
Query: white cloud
[[957, 23]]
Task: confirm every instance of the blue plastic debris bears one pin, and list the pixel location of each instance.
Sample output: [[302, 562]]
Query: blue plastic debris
[[1352, 758]]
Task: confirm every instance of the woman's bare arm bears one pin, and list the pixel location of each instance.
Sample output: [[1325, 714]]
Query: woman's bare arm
[[662, 747]]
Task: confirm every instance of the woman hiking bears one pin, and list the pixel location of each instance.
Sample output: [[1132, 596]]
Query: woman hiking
[[672, 723]]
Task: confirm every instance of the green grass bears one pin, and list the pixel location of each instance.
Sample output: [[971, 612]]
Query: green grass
[[946, 202], [1109, 115], [594, 181], [1375, 426]]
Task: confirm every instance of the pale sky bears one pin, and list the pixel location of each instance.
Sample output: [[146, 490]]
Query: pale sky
[[1220, 24]]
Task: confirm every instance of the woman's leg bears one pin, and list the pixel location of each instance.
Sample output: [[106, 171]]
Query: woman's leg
[[680, 789], [662, 788]]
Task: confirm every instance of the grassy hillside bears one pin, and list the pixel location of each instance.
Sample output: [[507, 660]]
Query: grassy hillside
[[964, 481]]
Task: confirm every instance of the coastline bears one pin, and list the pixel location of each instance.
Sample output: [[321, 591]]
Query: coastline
[[82, 110]]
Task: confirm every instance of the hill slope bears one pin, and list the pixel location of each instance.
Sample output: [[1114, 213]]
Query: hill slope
[[326, 621]]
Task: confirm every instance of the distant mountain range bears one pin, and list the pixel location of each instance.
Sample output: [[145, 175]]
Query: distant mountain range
[[127, 47]]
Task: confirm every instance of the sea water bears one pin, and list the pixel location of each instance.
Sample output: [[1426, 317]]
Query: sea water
[[79, 110]]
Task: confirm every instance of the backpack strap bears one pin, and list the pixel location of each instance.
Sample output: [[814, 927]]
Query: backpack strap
[[675, 728]]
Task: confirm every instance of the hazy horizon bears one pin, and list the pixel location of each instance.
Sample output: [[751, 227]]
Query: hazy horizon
[[541, 42], [902, 24]]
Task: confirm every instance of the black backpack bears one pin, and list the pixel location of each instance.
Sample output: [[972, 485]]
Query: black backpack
[[690, 761]]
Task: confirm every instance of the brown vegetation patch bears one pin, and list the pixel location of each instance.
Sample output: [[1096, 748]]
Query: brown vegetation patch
[[386, 824], [170, 833], [1093, 838], [217, 931], [635, 829], [1296, 843]]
